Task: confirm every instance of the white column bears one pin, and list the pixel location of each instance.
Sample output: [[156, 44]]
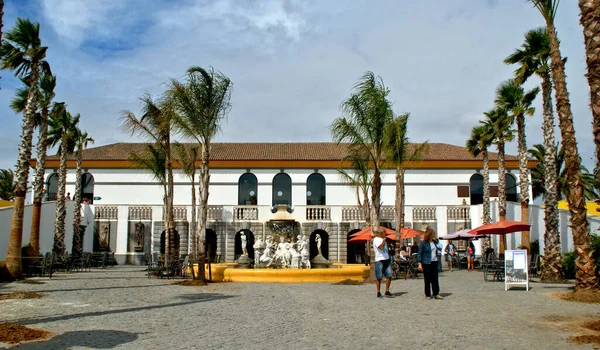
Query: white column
[[122, 223]]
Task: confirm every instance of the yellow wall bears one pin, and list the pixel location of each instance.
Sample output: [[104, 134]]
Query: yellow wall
[[592, 208]]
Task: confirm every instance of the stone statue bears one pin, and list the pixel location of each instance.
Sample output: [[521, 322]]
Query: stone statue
[[295, 258], [282, 254], [103, 235], [259, 248], [139, 235], [304, 250], [318, 240], [244, 243], [266, 256]]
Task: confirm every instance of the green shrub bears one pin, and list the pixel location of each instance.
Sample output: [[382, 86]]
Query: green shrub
[[568, 263]]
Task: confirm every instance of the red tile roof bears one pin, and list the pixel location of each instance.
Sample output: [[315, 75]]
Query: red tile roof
[[309, 151]]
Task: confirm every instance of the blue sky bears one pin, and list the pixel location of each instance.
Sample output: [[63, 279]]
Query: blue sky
[[293, 62]]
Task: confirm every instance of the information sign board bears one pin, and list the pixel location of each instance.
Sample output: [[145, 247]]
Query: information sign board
[[516, 269]]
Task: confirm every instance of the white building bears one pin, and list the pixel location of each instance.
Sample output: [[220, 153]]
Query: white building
[[444, 191]]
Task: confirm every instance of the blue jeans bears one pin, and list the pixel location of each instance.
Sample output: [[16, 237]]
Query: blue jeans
[[383, 267]]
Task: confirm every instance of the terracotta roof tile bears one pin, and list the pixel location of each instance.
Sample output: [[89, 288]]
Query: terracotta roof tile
[[317, 151]]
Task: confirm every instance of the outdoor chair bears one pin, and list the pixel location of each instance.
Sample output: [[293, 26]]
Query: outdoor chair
[[534, 266], [35, 266], [493, 267], [87, 261], [153, 264]]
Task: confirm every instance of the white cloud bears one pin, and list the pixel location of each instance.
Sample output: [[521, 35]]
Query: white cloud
[[293, 62]]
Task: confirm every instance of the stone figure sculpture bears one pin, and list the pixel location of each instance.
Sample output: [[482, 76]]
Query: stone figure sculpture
[[318, 240], [259, 248], [266, 256], [244, 243], [103, 235], [304, 250], [139, 235]]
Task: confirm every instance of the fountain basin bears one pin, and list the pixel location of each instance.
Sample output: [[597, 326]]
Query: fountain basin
[[338, 273]]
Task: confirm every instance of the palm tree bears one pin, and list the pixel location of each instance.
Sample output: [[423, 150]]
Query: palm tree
[[202, 101], [533, 58], [586, 269], [511, 96], [400, 153], [498, 121], [82, 139], [22, 52], [187, 159], [155, 124], [479, 143], [361, 179], [18, 104], [63, 132], [591, 33], [7, 184], [540, 174], [367, 114]]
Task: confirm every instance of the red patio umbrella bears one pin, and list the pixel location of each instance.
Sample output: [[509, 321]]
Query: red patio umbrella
[[369, 230], [407, 233], [500, 228], [365, 235]]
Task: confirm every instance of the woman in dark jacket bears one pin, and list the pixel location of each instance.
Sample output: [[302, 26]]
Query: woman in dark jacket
[[427, 258]]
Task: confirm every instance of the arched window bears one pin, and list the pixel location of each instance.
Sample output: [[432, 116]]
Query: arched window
[[52, 187], [476, 185], [247, 189], [87, 187], [511, 188], [282, 189], [163, 241], [315, 189]]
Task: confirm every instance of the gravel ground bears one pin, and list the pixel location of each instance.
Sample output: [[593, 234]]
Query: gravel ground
[[121, 308]]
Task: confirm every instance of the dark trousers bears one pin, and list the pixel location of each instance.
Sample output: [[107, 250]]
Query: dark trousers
[[430, 273]]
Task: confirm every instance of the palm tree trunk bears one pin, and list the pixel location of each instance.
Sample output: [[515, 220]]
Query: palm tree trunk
[[366, 205], [523, 178], [38, 184], [552, 270], [76, 247], [170, 209], [375, 222], [13, 253], [586, 269], [590, 21], [399, 207], [203, 209], [61, 209], [501, 194], [194, 214], [487, 243]]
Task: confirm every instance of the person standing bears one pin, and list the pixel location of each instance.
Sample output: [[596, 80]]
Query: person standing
[[382, 264], [450, 254], [427, 258], [471, 257]]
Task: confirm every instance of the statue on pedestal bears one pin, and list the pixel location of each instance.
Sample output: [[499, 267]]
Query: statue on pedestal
[[318, 240], [244, 243]]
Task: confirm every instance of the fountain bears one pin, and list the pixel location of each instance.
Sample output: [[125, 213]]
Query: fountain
[[281, 254]]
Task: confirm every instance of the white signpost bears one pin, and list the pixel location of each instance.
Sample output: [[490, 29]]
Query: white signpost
[[516, 269]]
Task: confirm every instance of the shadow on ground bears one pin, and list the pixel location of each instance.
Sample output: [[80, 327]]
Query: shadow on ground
[[97, 339], [191, 299]]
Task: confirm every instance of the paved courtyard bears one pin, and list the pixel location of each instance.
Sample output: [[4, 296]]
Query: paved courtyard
[[121, 308]]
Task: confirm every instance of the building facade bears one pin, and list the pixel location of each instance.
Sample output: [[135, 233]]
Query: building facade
[[247, 180]]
